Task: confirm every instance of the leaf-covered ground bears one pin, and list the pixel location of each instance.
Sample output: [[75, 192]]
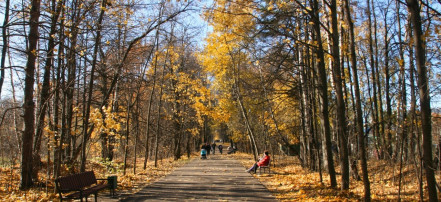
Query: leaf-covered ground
[[10, 178], [290, 182]]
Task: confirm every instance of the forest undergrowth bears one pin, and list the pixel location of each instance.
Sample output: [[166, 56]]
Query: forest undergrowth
[[44, 190], [288, 181]]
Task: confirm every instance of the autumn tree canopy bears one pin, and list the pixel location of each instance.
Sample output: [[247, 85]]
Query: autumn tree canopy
[[115, 82]]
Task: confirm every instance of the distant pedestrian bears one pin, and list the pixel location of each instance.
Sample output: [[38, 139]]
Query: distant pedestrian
[[208, 148], [232, 150], [213, 147], [220, 147], [203, 152]]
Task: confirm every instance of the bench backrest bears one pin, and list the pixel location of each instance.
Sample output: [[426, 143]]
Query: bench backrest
[[269, 163], [76, 181]]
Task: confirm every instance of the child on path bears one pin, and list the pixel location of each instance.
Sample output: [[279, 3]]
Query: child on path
[[203, 152]]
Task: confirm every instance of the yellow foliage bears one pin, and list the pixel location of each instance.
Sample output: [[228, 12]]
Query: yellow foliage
[[105, 121], [222, 52]]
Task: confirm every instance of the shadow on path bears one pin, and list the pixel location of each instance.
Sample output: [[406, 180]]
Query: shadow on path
[[218, 178]]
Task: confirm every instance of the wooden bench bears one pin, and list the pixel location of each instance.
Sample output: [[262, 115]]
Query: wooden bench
[[268, 166], [79, 186]]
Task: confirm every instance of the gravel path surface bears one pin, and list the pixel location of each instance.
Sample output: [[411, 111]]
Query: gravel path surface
[[218, 178]]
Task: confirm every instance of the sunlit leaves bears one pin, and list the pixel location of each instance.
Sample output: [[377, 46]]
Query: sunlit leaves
[[227, 59], [106, 121], [217, 57]]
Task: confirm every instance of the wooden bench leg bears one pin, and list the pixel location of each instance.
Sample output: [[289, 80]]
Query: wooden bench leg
[[264, 169]]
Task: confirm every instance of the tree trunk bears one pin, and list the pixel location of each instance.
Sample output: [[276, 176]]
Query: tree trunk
[[387, 89], [56, 101], [14, 99], [403, 97], [149, 107], [188, 146], [377, 82], [28, 104], [413, 118], [359, 112], [236, 89], [423, 85], [371, 105], [247, 123], [176, 106], [341, 116], [270, 108], [126, 146], [90, 89], [374, 83], [158, 119], [323, 93], [5, 38], [44, 97], [309, 138], [177, 126], [69, 86]]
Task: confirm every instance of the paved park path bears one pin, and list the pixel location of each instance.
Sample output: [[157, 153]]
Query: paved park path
[[219, 178]]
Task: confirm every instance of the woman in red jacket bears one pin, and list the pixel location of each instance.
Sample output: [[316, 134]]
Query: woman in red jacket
[[262, 162]]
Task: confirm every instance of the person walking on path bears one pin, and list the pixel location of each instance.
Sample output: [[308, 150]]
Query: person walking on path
[[232, 150], [213, 147], [262, 162], [208, 148], [220, 147]]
